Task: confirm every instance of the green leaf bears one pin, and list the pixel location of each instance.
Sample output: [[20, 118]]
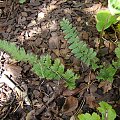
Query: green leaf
[[106, 110], [78, 47], [70, 79], [43, 67], [107, 73], [87, 116], [117, 51], [104, 20], [114, 6], [22, 1]]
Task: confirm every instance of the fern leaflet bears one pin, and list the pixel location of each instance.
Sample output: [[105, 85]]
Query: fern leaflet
[[43, 67], [107, 73], [78, 48]]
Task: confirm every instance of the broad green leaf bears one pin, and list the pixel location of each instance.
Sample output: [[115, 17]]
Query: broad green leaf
[[106, 110], [104, 20]]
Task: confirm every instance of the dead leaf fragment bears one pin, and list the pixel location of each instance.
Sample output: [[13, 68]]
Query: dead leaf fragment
[[73, 118], [90, 100], [71, 103], [71, 92], [85, 35], [94, 8], [110, 45], [54, 41], [53, 26], [40, 16], [106, 85], [24, 14], [13, 70], [31, 115]]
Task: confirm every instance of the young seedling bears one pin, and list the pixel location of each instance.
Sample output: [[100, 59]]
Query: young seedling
[[106, 18], [106, 110]]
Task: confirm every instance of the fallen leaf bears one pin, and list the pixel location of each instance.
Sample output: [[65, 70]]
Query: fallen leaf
[[13, 70], [53, 26], [90, 100], [93, 8], [72, 118], [71, 103], [71, 92], [57, 52], [24, 14], [110, 45], [64, 52], [106, 85], [54, 41], [90, 77], [31, 115], [85, 35]]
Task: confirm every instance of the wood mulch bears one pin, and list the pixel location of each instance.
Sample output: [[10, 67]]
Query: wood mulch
[[35, 26]]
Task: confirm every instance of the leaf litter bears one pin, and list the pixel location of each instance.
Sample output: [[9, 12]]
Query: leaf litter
[[35, 24]]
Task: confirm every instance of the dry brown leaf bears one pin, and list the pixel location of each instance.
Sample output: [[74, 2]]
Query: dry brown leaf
[[93, 88], [54, 41], [94, 8], [31, 115], [71, 103], [57, 52], [72, 118], [85, 35], [106, 85], [71, 92], [64, 52], [90, 77], [109, 45], [13, 70], [90, 100]]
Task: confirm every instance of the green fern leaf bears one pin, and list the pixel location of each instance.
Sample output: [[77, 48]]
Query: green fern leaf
[[78, 48], [43, 67], [107, 73], [70, 79]]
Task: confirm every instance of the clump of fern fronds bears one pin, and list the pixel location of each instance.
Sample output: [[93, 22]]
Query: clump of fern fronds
[[43, 67], [108, 72], [78, 48]]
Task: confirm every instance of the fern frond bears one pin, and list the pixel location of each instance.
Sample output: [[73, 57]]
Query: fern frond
[[78, 48], [43, 67], [16, 53], [107, 73]]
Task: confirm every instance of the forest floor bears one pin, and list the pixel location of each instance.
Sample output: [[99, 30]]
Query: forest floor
[[35, 25]]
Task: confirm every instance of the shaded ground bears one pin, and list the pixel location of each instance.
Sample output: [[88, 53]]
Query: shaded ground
[[35, 26]]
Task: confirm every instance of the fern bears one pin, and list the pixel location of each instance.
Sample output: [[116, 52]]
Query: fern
[[78, 48], [107, 73], [43, 67], [106, 111]]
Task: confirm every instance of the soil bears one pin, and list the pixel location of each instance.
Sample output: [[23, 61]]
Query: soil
[[35, 25]]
